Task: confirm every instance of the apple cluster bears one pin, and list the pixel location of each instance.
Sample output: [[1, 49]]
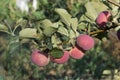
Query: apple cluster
[[83, 42]]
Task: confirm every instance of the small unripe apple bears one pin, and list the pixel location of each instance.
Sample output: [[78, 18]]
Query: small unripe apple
[[63, 59], [85, 41], [76, 53], [39, 58], [103, 18]]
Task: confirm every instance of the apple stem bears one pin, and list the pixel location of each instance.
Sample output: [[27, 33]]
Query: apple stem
[[115, 3]]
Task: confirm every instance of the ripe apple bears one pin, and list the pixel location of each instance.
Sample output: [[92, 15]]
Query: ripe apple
[[39, 58], [85, 41], [76, 53], [103, 18], [61, 60]]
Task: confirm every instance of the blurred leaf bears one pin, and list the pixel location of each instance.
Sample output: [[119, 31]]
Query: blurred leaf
[[14, 48], [56, 24], [64, 15], [81, 26], [55, 40], [1, 77], [48, 30], [28, 33], [84, 18], [99, 6], [74, 23], [106, 72], [14, 45], [91, 12], [46, 23], [2, 74], [63, 30], [21, 23], [38, 15], [3, 27], [94, 8], [56, 53], [3, 8], [72, 34]]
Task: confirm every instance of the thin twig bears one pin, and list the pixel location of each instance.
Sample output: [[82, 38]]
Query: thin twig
[[96, 32], [113, 2]]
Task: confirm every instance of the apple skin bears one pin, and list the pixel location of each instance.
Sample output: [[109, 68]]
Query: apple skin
[[85, 42], [39, 58], [103, 18], [76, 53], [61, 60]]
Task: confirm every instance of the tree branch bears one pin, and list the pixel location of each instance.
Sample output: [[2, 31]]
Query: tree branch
[[113, 2]]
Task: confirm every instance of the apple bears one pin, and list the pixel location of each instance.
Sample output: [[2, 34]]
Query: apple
[[61, 60], [39, 58], [76, 53], [85, 42], [103, 18]]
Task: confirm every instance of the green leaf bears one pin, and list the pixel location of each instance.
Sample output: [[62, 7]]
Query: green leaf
[[56, 53], [84, 18], [94, 8], [55, 25], [91, 12], [81, 26], [13, 46], [46, 23], [28, 33], [48, 31], [48, 27], [99, 6], [74, 23], [63, 30], [72, 34], [3, 27], [55, 40], [64, 15], [38, 15]]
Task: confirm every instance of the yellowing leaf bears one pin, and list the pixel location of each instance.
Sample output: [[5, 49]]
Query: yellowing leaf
[[28, 33]]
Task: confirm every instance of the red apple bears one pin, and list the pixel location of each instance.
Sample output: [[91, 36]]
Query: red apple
[[103, 18], [85, 41], [39, 58], [63, 59], [76, 53]]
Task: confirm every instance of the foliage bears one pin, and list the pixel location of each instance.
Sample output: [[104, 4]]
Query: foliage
[[54, 24]]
